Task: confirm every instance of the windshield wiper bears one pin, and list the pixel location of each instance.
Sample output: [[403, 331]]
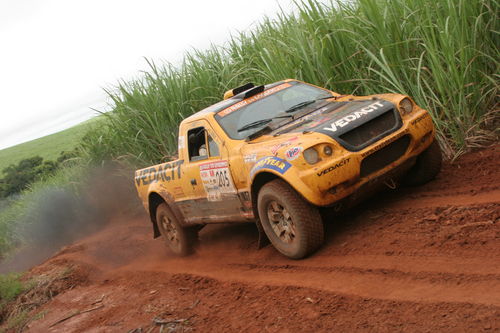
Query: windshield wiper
[[305, 103], [261, 122]]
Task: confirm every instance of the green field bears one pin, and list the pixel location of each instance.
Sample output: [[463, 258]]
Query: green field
[[49, 147]]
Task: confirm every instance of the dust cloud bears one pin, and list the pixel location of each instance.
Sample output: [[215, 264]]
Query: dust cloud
[[61, 216]]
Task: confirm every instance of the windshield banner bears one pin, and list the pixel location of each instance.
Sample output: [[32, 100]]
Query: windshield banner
[[252, 99]]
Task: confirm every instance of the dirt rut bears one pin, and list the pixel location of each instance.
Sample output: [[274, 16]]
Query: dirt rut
[[417, 259]]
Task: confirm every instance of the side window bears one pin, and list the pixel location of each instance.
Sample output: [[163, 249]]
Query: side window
[[213, 148], [197, 146]]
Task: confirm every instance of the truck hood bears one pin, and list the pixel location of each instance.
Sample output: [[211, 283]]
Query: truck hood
[[344, 121]]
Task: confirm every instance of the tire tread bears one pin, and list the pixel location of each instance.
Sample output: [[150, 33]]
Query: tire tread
[[426, 167], [303, 211], [188, 235]]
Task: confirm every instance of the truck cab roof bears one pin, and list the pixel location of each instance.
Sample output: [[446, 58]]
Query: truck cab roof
[[225, 103]]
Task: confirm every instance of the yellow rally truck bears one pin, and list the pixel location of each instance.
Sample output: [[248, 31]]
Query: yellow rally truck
[[274, 154]]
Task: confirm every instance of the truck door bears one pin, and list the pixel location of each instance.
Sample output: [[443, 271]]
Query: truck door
[[212, 194]]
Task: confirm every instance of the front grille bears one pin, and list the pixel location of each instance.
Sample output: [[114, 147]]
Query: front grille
[[370, 130], [384, 156]]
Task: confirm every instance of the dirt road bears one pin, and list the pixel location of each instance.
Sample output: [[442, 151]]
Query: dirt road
[[416, 260]]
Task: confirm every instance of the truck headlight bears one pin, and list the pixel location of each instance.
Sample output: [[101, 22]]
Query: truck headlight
[[406, 105], [311, 155]]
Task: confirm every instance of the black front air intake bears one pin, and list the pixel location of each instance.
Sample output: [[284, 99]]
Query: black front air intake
[[359, 124], [384, 156], [372, 129]]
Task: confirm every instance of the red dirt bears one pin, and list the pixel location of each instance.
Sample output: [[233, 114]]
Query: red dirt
[[419, 260]]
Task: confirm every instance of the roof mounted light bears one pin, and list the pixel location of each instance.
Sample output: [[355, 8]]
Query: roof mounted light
[[253, 91], [238, 90]]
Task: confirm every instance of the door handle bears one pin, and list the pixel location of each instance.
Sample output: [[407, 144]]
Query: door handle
[[193, 181]]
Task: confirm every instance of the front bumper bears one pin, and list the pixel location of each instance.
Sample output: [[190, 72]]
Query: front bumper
[[348, 172]]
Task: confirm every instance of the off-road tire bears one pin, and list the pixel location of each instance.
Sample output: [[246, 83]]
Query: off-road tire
[[306, 219], [185, 237], [426, 167]]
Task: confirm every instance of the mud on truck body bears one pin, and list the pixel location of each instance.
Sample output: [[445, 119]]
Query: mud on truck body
[[274, 154]]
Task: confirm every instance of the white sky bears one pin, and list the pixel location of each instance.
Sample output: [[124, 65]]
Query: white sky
[[57, 55]]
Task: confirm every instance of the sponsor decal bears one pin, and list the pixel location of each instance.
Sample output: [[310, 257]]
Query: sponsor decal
[[213, 165], [293, 153], [164, 172], [216, 179], [419, 119], [344, 121], [333, 167], [272, 163], [275, 148], [385, 143], [252, 99], [252, 158]]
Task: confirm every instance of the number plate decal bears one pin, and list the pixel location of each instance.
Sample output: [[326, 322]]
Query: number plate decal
[[216, 179]]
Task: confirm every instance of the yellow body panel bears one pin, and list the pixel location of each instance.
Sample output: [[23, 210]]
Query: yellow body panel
[[183, 184]]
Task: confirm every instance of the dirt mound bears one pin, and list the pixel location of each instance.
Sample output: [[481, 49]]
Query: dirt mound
[[416, 259], [41, 285]]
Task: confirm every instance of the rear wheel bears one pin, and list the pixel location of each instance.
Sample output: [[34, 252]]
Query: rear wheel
[[180, 240], [293, 226], [426, 167]]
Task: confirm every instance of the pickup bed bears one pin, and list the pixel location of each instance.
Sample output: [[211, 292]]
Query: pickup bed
[[274, 154]]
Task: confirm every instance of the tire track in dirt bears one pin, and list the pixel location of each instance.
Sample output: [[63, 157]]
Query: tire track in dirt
[[410, 283], [446, 200]]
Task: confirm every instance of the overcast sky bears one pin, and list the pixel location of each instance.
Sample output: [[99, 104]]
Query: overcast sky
[[57, 55]]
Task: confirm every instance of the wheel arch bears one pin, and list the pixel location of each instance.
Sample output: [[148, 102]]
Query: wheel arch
[[154, 200], [259, 180], [266, 175], [157, 198]]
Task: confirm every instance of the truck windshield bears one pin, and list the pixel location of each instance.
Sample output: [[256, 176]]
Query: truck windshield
[[276, 103]]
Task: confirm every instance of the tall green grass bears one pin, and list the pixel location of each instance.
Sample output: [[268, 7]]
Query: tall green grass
[[442, 53]]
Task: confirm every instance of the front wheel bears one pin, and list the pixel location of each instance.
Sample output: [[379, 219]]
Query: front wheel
[[293, 226], [180, 240], [426, 167]]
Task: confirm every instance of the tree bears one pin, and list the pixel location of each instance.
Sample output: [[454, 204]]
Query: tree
[[18, 177]]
